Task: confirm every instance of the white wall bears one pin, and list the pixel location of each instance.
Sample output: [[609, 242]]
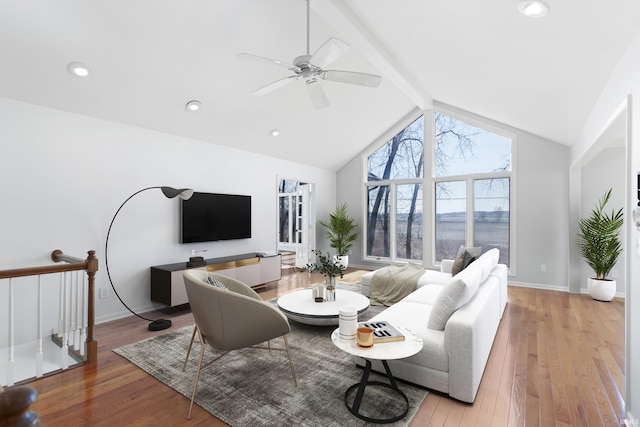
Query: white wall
[[64, 175], [541, 196], [623, 86]]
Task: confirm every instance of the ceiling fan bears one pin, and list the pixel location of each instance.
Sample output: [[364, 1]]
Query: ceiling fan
[[310, 68]]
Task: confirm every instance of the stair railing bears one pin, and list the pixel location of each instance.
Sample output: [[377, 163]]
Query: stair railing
[[75, 300]]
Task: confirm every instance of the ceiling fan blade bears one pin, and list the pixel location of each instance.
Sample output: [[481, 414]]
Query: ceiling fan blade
[[331, 50], [264, 60], [317, 94], [352, 77], [274, 85]]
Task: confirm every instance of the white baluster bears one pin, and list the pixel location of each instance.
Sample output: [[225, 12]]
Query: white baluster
[[81, 315], [39, 353], [60, 328], [11, 361], [76, 312], [64, 350]]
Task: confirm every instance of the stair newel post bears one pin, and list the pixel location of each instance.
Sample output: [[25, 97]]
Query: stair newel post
[[92, 344]]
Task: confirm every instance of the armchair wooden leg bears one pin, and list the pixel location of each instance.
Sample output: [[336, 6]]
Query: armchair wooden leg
[[195, 383], [293, 372], [195, 329]]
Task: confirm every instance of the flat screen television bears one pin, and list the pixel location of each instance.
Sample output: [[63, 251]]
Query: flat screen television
[[207, 217]]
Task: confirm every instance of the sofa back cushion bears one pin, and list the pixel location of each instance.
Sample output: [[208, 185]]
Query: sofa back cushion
[[461, 288]]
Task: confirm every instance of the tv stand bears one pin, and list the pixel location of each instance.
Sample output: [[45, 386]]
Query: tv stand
[[167, 284]]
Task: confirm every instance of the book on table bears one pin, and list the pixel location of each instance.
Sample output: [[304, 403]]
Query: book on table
[[383, 331]]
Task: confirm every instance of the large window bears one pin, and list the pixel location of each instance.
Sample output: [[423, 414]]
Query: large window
[[472, 181], [394, 196], [470, 174]]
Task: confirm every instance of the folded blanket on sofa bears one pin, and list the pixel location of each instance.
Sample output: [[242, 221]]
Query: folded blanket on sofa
[[390, 284]]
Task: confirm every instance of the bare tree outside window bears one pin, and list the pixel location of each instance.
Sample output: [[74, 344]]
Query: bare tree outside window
[[396, 179]]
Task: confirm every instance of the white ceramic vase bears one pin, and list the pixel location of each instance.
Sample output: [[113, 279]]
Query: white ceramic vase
[[342, 261], [602, 290]]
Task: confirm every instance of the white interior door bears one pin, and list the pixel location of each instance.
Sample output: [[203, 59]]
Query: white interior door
[[305, 225]]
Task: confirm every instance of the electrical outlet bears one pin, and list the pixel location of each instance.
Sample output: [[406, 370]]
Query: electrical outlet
[[104, 293], [543, 268]]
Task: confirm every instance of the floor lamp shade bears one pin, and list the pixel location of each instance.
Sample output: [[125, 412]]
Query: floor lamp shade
[[169, 192]]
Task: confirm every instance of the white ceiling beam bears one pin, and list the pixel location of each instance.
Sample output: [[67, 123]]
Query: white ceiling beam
[[338, 15]]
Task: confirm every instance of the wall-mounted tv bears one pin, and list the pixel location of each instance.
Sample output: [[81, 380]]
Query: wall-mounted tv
[[208, 217]]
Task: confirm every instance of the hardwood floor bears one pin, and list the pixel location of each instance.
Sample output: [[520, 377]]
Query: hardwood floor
[[558, 359]]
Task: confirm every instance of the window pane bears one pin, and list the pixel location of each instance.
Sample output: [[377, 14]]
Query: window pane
[[284, 219], [378, 221], [464, 149], [450, 222], [491, 216], [409, 221], [401, 157]]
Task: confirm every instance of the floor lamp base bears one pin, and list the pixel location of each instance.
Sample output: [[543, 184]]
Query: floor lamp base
[[159, 325]]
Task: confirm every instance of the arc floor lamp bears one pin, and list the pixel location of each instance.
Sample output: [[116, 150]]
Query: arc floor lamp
[[170, 193]]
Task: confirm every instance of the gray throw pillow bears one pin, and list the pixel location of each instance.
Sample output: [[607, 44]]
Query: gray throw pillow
[[215, 282], [464, 257]]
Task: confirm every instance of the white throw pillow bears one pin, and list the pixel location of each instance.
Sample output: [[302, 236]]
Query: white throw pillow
[[446, 303], [460, 289]]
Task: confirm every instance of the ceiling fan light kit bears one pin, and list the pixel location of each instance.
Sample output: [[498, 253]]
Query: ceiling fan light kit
[[310, 68]]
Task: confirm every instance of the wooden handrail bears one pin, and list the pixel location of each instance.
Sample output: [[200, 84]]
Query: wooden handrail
[[90, 264]]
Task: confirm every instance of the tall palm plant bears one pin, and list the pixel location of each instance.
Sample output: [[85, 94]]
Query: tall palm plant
[[340, 230], [599, 238]]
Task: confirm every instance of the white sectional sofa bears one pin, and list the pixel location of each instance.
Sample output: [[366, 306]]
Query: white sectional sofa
[[457, 318]]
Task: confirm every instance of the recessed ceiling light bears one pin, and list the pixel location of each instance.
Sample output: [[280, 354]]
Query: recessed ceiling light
[[274, 132], [193, 105], [78, 69], [533, 8]]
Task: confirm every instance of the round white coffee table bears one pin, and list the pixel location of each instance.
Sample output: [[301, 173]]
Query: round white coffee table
[[411, 345], [300, 306]]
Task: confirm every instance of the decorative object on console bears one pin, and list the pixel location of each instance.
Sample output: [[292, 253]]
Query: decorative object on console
[[195, 260], [600, 246], [341, 233], [330, 268], [169, 192]]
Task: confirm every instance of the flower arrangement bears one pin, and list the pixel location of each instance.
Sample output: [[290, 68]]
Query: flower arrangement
[[325, 265]]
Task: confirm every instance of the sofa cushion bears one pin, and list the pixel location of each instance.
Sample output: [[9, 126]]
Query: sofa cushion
[[461, 288], [413, 315]]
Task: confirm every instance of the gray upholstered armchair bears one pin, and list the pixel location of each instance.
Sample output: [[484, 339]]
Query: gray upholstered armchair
[[230, 315]]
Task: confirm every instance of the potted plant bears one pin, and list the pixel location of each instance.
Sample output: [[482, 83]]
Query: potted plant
[[600, 246], [329, 268], [341, 233]]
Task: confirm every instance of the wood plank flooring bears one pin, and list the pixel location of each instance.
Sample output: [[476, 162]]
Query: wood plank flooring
[[558, 359]]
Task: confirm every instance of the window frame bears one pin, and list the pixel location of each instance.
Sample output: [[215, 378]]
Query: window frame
[[429, 180], [492, 127], [376, 145]]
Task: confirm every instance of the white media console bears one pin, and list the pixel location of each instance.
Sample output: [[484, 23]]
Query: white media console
[[167, 284]]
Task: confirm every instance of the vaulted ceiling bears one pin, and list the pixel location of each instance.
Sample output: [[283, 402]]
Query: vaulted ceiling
[[148, 58]]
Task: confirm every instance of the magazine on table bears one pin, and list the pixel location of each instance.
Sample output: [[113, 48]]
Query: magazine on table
[[383, 331]]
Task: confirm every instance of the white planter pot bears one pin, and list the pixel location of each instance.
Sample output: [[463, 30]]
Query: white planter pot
[[602, 290], [343, 260]]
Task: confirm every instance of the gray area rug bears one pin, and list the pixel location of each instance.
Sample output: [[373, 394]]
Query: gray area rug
[[254, 387]]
